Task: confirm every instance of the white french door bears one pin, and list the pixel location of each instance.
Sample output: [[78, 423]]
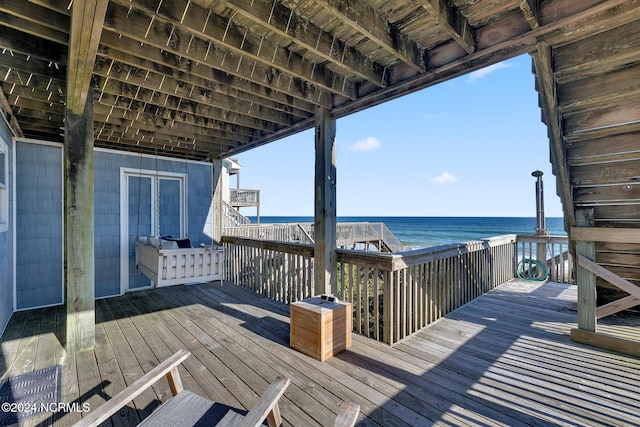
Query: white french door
[[152, 204]]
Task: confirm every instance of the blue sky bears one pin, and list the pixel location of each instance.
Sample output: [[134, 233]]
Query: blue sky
[[466, 147]]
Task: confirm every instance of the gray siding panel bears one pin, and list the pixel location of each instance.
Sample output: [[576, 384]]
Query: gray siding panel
[[6, 241], [107, 210], [39, 233], [40, 215]]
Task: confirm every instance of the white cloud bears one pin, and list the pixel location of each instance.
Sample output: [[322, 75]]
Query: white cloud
[[484, 72], [444, 178], [368, 144]]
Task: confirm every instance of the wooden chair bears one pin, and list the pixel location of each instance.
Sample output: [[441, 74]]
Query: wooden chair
[[186, 408]]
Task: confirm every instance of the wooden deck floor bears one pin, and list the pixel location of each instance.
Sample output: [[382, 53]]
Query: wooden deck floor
[[504, 359]]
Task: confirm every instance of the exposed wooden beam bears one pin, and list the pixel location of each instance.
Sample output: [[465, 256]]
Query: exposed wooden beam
[[617, 306], [8, 113], [17, 41], [586, 22], [300, 126], [450, 18], [531, 11], [542, 61], [200, 21], [199, 151], [87, 19], [220, 43], [610, 277], [138, 67], [213, 68], [282, 20], [38, 16], [34, 28], [365, 20], [197, 101]]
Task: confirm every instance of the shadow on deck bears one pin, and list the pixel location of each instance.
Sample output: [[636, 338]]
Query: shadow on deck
[[504, 359]]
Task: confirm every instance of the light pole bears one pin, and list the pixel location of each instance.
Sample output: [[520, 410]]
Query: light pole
[[541, 229]]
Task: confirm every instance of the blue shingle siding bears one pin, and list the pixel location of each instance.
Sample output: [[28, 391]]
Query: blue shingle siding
[[107, 207], [6, 240], [39, 234]]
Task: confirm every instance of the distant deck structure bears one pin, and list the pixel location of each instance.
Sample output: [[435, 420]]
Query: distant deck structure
[[349, 235]]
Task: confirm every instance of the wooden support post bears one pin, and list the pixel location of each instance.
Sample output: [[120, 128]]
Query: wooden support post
[[216, 208], [586, 280], [325, 258], [79, 230]]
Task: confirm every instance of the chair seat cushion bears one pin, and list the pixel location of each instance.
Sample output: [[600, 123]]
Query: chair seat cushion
[[189, 409]]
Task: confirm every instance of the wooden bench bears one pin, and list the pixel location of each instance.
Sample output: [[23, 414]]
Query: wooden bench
[[186, 408]]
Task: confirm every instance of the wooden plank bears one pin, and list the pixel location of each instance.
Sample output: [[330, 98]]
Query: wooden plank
[[617, 306], [323, 376], [523, 363], [24, 359], [614, 47], [325, 258], [90, 385], [614, 279], [110, 373], [610, 235], [132, 369], [164, 343], [605, 341], [7, 112], [501, 360], [249, 366]]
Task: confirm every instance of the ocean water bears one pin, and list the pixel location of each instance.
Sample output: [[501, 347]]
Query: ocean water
[[423, 232]]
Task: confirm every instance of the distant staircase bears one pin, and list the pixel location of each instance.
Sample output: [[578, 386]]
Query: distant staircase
[[231, 217], [354, 235]]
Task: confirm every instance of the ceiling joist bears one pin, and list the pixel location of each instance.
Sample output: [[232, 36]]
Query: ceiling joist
[[453, 22]]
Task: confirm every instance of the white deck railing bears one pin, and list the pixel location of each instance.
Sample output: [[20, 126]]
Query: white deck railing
[[241, 197], [552, 251], [347, 233]]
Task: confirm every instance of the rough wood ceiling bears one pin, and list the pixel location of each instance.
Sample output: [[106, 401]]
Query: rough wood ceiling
[[205, 79]]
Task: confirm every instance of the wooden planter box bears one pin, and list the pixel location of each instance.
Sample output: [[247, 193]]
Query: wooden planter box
[[319, 328]]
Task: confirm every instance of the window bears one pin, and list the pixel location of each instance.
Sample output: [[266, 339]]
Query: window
[[4, 186]]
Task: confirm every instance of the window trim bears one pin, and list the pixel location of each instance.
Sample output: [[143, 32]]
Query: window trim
[[4, 188]]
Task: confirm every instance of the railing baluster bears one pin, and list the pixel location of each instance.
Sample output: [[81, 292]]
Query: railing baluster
[[392, 295]]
